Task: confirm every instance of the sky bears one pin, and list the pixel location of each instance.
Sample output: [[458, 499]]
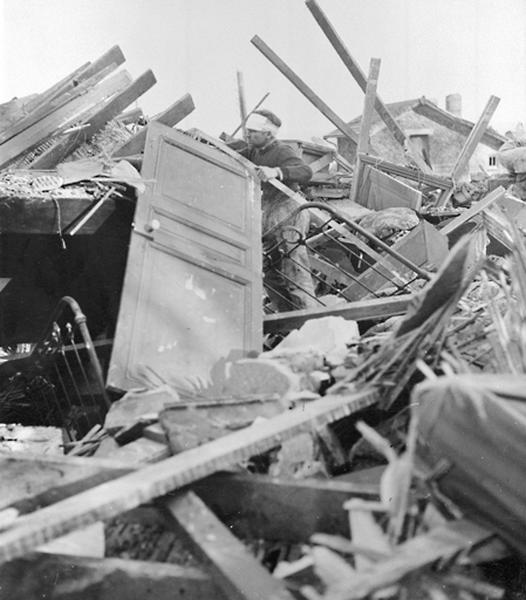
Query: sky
[[428, 48]]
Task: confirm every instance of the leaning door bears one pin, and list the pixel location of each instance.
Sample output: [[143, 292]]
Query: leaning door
[[192, 291]]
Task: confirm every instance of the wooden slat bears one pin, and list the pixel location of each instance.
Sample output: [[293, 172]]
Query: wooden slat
[[60, 577], [113, 56], [170, 117], [242, 103], [474, 209], [355, 70], [260, 506], [96, 121], [53, 105], [434, 181], [462, 126], [234, 569], [367, 118], [363, 310], [34, 135], [111, 498], [304, 89]]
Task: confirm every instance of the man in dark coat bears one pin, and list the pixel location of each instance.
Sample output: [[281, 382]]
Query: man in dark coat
[[287, 270]]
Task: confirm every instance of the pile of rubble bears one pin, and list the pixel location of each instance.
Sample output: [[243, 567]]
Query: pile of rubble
[[369, 447]]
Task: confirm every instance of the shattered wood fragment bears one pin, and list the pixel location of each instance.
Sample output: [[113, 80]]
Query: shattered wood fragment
[[239, 575], [475, 209], [170, 117]]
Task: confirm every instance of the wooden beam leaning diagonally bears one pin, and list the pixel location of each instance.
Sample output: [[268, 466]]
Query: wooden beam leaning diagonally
[[234, 569], [170, 117], [367, 118], [361, 310], [120, 495], [430, 110], [304, 89], [97, 121], [470, 145], [355, 70], [38, 132]]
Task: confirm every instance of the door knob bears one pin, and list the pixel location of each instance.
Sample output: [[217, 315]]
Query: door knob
[[152, 226]]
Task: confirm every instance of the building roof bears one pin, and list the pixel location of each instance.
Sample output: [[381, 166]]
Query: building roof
[[395, 108]]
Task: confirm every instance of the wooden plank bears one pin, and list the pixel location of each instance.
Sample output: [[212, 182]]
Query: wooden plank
[[234, 569], [170, 117], [304, 89], [112, 498], [97, 121], [60, 577], [355, 70], [34, 135], [114, 56], [439, 543], [259, 506], [361, 310], [474, 138], [430, 110], [434, 181], [365, 126], [321, 163], [473, 210], [242, 103]]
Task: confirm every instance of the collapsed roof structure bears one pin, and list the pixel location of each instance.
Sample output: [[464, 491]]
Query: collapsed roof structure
[[365, 446]]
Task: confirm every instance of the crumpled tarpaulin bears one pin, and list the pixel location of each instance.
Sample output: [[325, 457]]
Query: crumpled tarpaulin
[[478, 424]]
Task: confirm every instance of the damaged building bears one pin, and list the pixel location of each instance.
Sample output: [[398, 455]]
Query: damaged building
[[167, 431]]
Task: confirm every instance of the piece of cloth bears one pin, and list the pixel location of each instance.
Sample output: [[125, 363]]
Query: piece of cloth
[[287, 275], [258, 122]]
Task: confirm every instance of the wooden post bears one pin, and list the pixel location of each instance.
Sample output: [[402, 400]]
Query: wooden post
[[354, 69], [367, 117], [242, 104], [470, 146], [304, 89]]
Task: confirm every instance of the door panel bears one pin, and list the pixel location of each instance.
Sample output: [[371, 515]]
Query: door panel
[[193, 289]]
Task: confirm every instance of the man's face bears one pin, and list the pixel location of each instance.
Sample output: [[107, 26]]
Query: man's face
[[258, 138]]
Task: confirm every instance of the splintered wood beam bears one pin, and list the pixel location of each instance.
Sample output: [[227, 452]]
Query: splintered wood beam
[[129, 491], [260, 506], [34, 135], [434, 181], [234, 569], [361, 310], [61, 577], [96, 121], [113, 56], [170, 117], [355, 70], [367, 118], [462, 126], [304, 89]]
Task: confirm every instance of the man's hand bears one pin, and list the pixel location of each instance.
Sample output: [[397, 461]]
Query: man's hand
[[266, 173]]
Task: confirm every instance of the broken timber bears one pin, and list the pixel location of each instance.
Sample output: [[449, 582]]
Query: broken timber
[[361, 310], [170, 117], [473, 210], [304, 89], [354, 69], [114, 497], [235, 570]]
